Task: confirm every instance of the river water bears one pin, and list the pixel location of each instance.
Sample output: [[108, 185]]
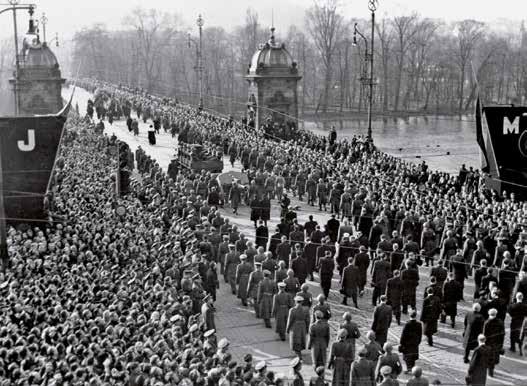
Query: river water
[[444, 142]]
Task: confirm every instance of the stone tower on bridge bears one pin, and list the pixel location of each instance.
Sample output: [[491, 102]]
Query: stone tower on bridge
[[39, 79], [273, 77]]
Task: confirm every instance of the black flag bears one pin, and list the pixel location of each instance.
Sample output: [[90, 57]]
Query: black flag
[[479, 136]]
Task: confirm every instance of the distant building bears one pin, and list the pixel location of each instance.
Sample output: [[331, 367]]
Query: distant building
[[273, 77], [39, 81]]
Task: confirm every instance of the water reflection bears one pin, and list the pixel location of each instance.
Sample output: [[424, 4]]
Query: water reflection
[[427, 138]]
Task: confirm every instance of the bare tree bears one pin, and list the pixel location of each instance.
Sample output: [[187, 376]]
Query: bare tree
[[469, 33], [325, 24], [385, 47], [153, 33], [405, 30]]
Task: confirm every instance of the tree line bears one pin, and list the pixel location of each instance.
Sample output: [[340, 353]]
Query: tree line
[[422, 65]]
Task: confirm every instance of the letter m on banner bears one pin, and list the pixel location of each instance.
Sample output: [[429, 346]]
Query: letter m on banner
[[511, 127]]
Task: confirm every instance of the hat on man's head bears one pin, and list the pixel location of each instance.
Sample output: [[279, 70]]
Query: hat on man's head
[[386, 370]]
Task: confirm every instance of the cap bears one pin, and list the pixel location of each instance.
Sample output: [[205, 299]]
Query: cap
[[299, 299], [281, 284], [267, 272], [248, 358], [295, 362], [260, 366], [363, 352], [257, 263], [386, 370], [223, 343], [209, 333], [243, 257]]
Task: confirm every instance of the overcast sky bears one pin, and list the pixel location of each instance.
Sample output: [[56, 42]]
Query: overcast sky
[[67, 16]]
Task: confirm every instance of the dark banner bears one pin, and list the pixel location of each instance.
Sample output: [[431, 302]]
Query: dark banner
[[29, 147], [507, 127]]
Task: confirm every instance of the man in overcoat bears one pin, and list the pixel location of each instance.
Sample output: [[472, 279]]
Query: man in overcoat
[[410, 340], [350, 283], [282, 303], [473, 327], [430, 314], [297, 326], [382, 318], [318, 340]]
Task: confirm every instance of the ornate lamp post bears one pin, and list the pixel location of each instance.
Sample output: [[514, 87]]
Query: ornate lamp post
[[367, 78], [200, 22], [372, 6], [43, 21], [15, 5], [199, 57]]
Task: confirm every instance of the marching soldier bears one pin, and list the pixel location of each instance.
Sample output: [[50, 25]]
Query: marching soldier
[[297, 325], [394, 292], [232, 259], [266, 291], [340, 359], [255, 278], [243, 270], [326, 268], [282, 303], [318, 339]]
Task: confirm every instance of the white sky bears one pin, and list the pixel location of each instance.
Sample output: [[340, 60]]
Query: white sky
[[67, 16]]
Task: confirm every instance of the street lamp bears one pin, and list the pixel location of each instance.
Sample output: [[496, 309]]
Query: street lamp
[[368, 79], [200, 22], [372, 6], [43, 21], [15, 5]]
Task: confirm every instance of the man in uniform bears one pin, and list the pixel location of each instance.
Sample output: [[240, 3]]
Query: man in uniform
[[311, 189], [223, 249], [318, 340], [480, 363], [494, 332], [207, 313], [255, 278], [430, 314], [299, 266], [394, 292], [410, 279], [266, 291], [232, 259], [382, 318], [282, 303], [474, 321], [363, 370], [326, 268], [410, 340], [297, 326], [353, 332], [381, 274], [310, 254], [340, 359], [350, 283], [362, 261], [518, 313], [452, 294], [262, 235], [243, 270]]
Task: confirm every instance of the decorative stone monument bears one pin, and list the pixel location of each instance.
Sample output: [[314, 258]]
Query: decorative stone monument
[[39, 80], [273, 78]]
